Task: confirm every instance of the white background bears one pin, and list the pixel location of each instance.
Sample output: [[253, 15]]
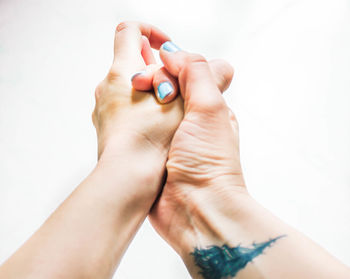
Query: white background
[[290, 94]]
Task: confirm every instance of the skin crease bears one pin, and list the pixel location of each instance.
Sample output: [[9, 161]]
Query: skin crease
[[203, 152], [89, 232], [204, 201], [119, 107]]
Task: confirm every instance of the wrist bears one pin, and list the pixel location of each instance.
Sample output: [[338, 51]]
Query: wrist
[[215, 213], [225, 215], [130, 143], [128, 161]]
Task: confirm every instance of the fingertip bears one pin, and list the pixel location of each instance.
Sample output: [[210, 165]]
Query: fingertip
[[140, 73], [142, 81], [169, 46], [165, 92], [156, 78], [172, 57], [165, 85]]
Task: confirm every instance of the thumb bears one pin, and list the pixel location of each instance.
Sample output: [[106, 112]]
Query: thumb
[[132, 44]]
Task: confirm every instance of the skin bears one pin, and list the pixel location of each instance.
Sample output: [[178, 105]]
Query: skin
[[88, 234], [204, 202]]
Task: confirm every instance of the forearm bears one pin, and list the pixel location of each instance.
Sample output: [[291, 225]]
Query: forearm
[[88, 234], [235, 219]]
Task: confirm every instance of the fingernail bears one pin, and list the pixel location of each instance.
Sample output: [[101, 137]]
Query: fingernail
[[170, 46], [164, 89], [137, 74]]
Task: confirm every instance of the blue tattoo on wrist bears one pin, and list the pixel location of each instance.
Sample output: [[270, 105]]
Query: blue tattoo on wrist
[[220, 262]]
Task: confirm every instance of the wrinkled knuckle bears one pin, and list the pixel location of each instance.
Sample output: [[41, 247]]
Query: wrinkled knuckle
[[195, 58], [217, 105], [114, 74], [209, 106], [189, 71], [193, 64]]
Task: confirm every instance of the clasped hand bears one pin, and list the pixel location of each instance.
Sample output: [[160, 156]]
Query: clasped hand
[[194, 135], [168, 149]]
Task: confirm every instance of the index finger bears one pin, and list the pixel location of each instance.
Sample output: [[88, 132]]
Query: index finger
[[198, 83], [128, 40]]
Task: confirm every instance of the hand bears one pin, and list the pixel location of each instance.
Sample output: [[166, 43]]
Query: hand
[[88, 234], [203, 162], [204, 211], [133, 126]]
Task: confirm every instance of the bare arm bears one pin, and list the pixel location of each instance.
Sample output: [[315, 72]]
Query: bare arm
[[88, 234], [205, 211], [235, 237]]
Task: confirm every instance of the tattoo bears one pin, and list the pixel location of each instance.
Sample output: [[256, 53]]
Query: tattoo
[[220, 262]]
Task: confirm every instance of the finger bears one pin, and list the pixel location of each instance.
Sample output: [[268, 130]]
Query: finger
[[157, 78], [146, 52], [165, 86], [222, 72], [197, 83], [143, 80], [128, 43]]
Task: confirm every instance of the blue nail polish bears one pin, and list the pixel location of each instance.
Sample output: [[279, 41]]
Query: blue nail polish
[[170, 46], [164, 89], [137, 74]]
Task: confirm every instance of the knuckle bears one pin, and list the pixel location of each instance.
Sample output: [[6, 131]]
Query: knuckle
[[122, 25], [209, 106], [115, 74], [195, 58], [98, 91], [223, 73], [109, 108], [216, 105], [193, 64], [126, 24], [228, 69]]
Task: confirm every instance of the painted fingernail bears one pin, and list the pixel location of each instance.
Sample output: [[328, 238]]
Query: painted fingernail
[[164, 89], [170, 46], [137, 74]]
